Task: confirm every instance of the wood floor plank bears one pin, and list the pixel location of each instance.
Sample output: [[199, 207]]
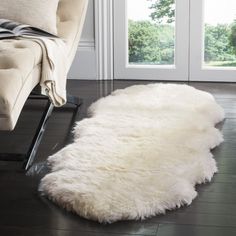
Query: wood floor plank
[[209, 208], [195, 219], [14, 231], [227, 188], [187, 230], [224, 178], [66, 221]]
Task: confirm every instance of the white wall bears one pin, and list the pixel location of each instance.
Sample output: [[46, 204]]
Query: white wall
[[84, 65]]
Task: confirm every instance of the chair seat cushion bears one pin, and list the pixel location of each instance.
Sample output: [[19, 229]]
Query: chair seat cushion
[[19, 74]]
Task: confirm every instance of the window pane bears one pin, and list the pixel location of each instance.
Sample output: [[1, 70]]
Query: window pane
[[151, 32], [220, 33]]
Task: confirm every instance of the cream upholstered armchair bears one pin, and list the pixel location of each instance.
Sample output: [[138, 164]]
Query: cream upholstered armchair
[[20, 67]]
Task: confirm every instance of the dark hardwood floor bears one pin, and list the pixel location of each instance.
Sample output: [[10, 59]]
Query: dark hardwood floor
[[24, 212]]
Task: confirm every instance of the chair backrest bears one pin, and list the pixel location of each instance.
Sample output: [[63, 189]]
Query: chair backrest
[[70, 20]]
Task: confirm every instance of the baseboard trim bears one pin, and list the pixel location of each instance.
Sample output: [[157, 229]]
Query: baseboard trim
[[86, 45], [84, 65]]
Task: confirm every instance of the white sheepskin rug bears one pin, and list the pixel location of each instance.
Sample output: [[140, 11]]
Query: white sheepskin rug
[[141, 152]]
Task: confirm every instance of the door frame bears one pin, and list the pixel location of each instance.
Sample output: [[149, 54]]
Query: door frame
[[103, 23]]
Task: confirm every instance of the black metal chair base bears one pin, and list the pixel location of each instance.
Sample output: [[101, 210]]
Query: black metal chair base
[[29, 157]]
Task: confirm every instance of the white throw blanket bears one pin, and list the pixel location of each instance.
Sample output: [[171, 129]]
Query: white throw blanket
[[54, 68]]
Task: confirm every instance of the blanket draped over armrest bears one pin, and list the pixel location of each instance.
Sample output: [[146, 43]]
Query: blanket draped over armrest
[[54, 68], [54, 59]]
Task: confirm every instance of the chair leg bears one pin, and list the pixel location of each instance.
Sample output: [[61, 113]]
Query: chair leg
[[71, 99], [77, 102], [29, 157], [38, 136], [31, 153]]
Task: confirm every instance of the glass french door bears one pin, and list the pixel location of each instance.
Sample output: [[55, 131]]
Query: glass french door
[[213, 40], [175, 40]]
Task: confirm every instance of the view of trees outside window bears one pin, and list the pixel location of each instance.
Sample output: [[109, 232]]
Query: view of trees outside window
[[220, 33], [152, 32]]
